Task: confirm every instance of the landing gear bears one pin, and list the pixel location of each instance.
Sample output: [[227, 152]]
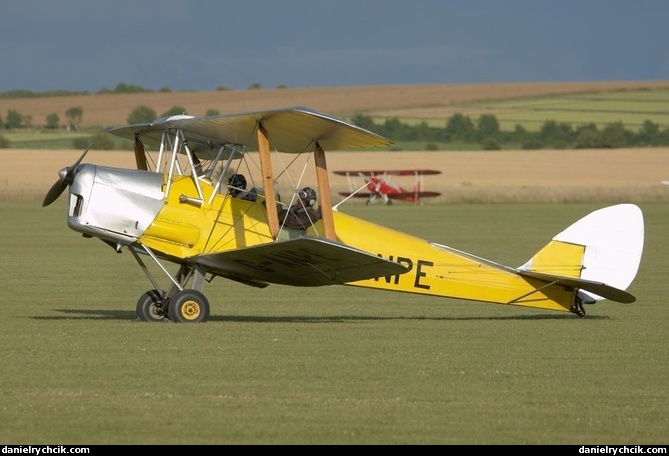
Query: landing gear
[[181, 303], [188, 306], [150, 307], [577, 307]]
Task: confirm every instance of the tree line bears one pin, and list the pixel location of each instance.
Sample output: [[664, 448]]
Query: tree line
[[485, 131], [459, 129]]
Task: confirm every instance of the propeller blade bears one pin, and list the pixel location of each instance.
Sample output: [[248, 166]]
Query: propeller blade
[[54, 192], [66, 178]]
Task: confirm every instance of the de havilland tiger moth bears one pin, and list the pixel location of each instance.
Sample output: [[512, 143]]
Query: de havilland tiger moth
[[174, 209]]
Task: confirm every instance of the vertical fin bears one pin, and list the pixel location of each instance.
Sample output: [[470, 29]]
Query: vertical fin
[[605, 246]]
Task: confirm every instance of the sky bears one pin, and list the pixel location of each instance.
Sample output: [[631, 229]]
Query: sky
[[88, 45]]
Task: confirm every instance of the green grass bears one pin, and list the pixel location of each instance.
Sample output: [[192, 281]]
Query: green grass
[[631, 108], [332, 365]]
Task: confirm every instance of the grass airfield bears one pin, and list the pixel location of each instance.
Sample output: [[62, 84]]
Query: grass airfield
[[331, 365]]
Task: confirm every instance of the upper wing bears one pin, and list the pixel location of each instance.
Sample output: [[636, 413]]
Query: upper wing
[[380, 172], [307, 261], [290, 130]]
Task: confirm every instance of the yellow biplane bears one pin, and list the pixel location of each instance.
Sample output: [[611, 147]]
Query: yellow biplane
[[176, 210]]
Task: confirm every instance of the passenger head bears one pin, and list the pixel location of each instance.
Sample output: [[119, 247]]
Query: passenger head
[[307, 196], [236, 184]]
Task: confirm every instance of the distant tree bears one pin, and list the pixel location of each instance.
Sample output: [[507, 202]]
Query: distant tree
[[174, 111], [532, 143], [52, 121], [556, 133], [422, 132], [460, 127], [141, 113], [613, 136], [122, 87], [221, 88], [212, 112], [14, 119], [2, 124], [165, 90], [255, 85], [488, 127], [393, 128], [363, 121], [491, 143], [518, 135], [648, 133], [74, 116], [102, 141], [588, 138], [662, 139]]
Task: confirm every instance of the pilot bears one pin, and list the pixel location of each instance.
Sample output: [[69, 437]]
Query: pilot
[[237, 188], [303, 213]]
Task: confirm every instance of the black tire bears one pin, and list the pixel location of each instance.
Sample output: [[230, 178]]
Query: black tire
[[149, 307], [189, 306]]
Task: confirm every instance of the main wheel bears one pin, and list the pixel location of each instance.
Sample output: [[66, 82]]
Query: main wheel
[[188, 306], [149, 307]]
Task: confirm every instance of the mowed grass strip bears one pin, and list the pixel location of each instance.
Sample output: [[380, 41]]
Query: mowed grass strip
[[331, 365]]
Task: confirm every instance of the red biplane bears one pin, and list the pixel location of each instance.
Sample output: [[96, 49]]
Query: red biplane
[[379, 185]]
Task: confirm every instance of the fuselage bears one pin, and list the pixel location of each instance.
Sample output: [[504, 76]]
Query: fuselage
[[180, 221]]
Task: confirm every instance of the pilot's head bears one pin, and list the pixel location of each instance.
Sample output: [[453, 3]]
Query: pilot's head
[[236, 184], [307, 196]]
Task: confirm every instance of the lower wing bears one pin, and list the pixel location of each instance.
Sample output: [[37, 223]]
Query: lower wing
[[307, 261]]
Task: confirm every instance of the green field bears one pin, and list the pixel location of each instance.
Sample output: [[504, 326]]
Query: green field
[[332, 365], [632, 108]]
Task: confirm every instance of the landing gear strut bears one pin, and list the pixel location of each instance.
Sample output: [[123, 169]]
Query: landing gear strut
[[577, 307], [178, 304]]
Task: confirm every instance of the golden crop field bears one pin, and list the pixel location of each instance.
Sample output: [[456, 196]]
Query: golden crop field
[[479, 176]]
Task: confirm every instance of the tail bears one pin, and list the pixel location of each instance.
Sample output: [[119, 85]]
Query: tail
[[599, 255]]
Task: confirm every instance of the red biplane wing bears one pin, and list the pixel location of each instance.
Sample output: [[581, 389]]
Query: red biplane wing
[[398, 195], [397, 172]]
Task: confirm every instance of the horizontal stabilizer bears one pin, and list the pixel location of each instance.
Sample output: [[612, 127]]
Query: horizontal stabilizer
[[600, 289], [307, 261]]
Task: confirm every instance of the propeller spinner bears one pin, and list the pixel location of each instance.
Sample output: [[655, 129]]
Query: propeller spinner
[[66, 178]]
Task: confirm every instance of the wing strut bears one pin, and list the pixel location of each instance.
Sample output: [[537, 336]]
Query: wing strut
[[324, 191], [140, 155], [268, 181]]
